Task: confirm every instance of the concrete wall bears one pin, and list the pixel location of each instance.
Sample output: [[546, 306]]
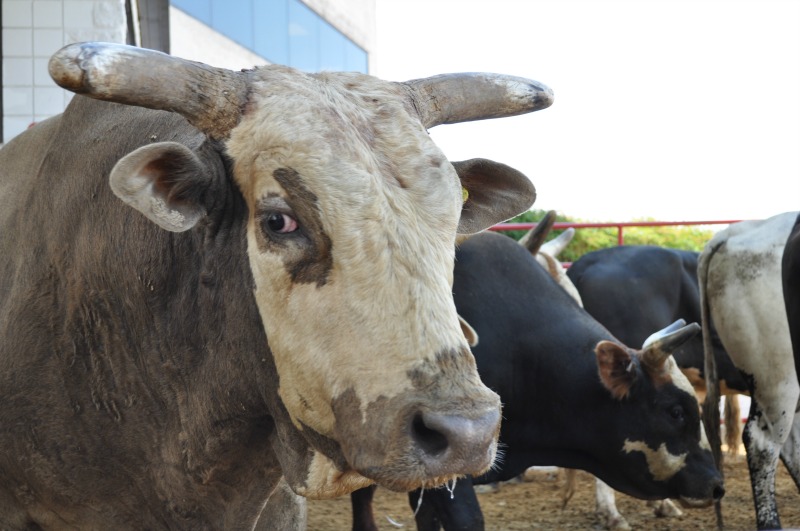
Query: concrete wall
[[32, 31]]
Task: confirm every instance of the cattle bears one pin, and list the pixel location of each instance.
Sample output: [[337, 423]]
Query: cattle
[[741, 292], [212, 280], [561, 375], [635, 289]]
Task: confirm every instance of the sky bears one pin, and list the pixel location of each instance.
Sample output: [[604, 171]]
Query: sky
[[674, 110]]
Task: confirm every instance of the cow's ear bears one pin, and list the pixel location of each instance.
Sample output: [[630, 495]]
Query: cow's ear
[[617, 368], [469, 333], [166, 182], [494, 193]]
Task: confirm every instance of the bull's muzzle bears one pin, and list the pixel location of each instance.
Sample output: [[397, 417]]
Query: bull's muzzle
[[454, 445]]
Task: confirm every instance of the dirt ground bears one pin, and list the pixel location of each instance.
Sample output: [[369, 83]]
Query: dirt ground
[[535, 504]]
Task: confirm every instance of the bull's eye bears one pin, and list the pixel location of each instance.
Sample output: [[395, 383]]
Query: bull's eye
[[281, 223], [676, 412]]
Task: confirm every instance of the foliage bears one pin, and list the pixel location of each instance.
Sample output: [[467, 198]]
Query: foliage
[[688, 237]]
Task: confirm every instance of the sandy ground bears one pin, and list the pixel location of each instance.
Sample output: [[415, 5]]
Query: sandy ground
[[535, 504]]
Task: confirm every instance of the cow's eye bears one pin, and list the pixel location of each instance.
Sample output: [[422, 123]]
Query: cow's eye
[[676, 412], [281, 223]]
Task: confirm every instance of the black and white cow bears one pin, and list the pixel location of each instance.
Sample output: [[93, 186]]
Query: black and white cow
[[635, 289], [561, 375], [216, 283], [741, 291]]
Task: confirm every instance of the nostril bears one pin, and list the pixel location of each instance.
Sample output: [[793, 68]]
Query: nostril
[[718, 493], [429, 440]]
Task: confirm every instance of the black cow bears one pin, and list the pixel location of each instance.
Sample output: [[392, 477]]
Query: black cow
[[561, 375]]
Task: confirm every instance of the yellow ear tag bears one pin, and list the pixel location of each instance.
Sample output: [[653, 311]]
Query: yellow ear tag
[[464, 194]]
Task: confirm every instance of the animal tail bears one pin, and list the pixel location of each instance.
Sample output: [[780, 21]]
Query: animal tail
[[733, 423], [569, 486], [711, 403]]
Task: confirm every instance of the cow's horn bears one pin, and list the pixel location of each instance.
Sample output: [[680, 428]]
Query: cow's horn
[[680, 323], [658, 347], [557, 245], [535, 237], [209, 98], [454, 98]]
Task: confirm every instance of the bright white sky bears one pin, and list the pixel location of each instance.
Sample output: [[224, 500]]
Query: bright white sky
[[677, 110]]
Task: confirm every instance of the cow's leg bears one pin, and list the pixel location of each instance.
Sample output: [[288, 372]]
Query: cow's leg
[[768, 427], [606, 508], [733, 424], [790, 453], [456, 510], [361, 504]]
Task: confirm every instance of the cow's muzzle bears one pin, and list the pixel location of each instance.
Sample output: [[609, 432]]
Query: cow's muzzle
[[451, 444]]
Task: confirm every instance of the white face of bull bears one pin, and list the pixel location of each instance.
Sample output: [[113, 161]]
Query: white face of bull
[[352, 253], [352, 218]]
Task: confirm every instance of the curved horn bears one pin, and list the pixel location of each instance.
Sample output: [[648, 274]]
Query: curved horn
[[656, 352], [535, 237], [663, 332], [555, 246], [210, 98], [454, 98]]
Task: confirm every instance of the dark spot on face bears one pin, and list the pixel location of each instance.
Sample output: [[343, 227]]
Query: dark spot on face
[[307, 252]]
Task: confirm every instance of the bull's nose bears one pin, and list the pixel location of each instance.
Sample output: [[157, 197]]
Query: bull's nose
[[454, 444], [718, 492]]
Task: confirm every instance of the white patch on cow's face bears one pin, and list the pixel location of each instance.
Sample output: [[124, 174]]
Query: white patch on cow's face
[[661, 463], [682, 382], [364, 295]]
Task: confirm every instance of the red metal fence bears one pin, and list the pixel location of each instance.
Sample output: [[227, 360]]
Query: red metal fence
[[620, 226]]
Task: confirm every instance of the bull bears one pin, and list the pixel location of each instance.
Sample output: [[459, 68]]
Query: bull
[[216, 280]]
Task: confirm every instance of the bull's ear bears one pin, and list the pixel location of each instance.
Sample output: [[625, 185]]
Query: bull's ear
[[164, 181], [494, 193], [617, 368], [469, 333]]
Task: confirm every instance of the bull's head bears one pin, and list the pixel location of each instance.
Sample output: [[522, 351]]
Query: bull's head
[[353, 214]]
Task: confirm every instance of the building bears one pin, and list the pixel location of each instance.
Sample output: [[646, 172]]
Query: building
[[311, 35]]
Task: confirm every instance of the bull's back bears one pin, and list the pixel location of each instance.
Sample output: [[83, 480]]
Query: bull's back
[[636, 290], [55, 201], [741, 268]]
